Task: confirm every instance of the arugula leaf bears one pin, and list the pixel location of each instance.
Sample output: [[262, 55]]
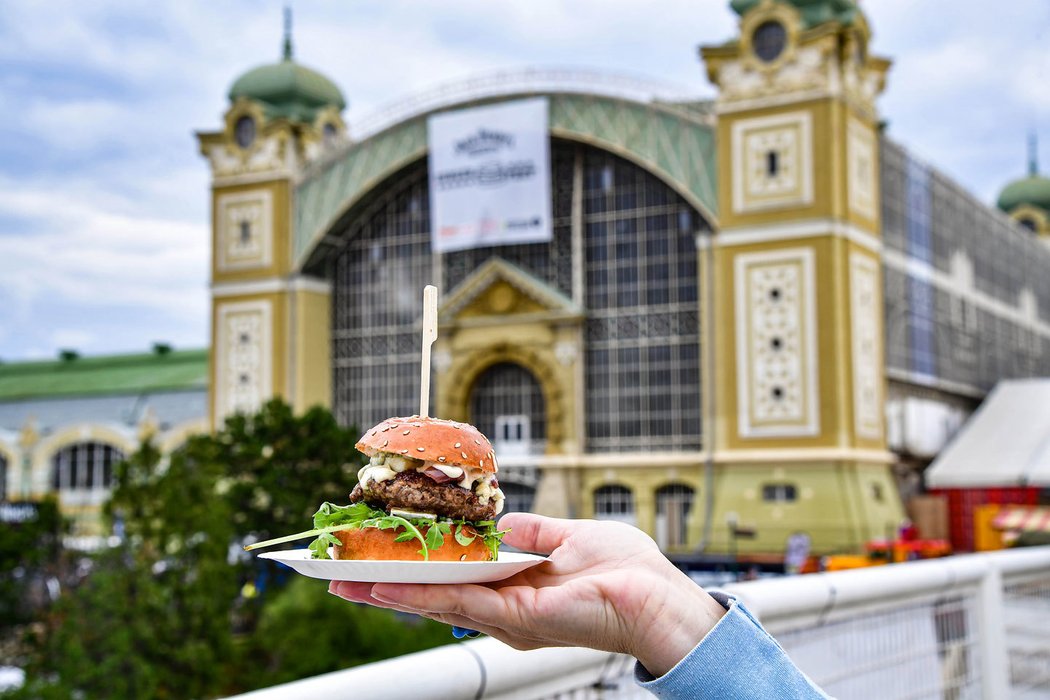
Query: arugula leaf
[[331, 518], [465, 538]]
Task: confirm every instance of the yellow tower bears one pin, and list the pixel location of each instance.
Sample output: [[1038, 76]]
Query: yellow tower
[[800, 397], [269, 324]]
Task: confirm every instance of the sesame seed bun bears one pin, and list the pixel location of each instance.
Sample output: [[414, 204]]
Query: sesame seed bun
[[431, 440]]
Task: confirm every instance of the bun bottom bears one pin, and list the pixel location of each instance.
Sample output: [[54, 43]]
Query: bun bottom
[[373, 543]]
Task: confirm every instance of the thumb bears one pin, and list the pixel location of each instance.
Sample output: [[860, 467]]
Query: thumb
[[536, 533]]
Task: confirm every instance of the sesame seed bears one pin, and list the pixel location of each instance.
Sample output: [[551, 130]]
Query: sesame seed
[[481, 463], [418, 425], [441, 459], [456, 445], [404, 452], [463, 455], [421, 449], [476, 442], [406, 432], [385, 443]]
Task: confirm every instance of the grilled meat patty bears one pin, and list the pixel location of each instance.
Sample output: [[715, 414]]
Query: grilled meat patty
[[411, 490]]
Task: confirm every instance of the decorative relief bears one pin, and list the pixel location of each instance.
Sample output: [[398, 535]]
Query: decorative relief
[[772, 162], [268, 155], [242, 356], [776, 344], [867, 348], [861, 177], [805, 70], [245, 236]]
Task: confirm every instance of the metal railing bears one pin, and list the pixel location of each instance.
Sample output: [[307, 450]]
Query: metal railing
[[972, 626]]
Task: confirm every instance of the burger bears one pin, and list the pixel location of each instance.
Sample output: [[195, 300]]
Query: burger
[[429, 492]]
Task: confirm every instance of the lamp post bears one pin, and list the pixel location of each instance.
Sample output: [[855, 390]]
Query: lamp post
[[731, 523]]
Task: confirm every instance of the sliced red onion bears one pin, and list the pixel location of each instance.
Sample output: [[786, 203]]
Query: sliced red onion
[[437, 475]]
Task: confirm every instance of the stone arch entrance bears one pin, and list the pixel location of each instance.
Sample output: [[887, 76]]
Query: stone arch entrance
[[506, 404]]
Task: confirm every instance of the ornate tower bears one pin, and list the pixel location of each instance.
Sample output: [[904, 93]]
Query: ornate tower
[[1027, 200], [798, 275], [270, 325]]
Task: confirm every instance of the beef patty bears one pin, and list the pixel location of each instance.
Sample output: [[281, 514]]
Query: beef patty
[[411, 490]]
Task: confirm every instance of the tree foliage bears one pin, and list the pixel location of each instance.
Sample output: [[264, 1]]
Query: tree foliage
[[176, 611]]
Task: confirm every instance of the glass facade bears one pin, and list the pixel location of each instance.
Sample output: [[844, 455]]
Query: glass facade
[[967, 290], [640, 299]]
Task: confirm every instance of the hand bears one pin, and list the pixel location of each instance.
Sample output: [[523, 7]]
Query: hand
[[605, 586]]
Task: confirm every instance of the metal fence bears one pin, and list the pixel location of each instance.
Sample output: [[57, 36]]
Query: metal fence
[[972, 626]]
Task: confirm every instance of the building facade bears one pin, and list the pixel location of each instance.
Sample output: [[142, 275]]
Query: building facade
[[758, 311], [65, 423], [755, 314]]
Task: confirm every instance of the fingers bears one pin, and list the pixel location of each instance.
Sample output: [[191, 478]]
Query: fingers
[[536, 533], [362, 593], [479, 603]]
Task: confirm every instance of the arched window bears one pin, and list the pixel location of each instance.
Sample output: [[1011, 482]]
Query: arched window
[[519, 497], [614, 502], [674, 506], [506, 405], [84, 472]]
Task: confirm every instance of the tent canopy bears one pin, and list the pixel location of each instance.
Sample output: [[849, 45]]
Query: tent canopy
[[1006, 442]]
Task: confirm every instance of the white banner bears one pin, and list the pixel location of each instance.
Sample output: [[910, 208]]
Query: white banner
[[490, 178]]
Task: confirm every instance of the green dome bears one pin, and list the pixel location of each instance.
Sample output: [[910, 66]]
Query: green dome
[[1033, 190], [813, 12], [288, 89]]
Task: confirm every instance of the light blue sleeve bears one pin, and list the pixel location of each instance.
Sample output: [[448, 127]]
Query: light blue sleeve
[[737, 659]]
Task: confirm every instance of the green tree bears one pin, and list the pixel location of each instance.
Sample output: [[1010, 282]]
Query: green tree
[[279, 467], [152, 618], [305, 632]]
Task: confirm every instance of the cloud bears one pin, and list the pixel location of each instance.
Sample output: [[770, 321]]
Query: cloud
[[104, 199]]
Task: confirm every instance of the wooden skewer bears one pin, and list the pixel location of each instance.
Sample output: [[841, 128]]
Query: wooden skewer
[[429, 336]]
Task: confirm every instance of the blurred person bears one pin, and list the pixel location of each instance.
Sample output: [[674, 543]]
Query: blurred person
[[607, 586]]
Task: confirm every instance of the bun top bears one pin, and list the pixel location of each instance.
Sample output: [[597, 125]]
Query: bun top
[[431, 440]]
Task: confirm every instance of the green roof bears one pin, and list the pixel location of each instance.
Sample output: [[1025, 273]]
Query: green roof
[[813, 12], [1033, 190], [109, 374], [287, 89]]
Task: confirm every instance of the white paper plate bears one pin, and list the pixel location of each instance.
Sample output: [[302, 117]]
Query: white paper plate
[[509, 564]]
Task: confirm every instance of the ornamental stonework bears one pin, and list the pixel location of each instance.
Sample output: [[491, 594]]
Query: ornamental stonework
[[245, 237], [243, 357], [867, 350], [776, 344]]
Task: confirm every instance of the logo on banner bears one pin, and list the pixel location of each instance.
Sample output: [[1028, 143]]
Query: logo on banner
[[490, 176]]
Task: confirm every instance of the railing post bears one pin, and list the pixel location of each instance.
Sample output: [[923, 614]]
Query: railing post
[[995, 662]]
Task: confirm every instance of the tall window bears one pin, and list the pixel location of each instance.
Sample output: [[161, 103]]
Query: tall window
[[642, 383], [614, 502], [84, 471], [376, 314], [3, 478], [674, 506]]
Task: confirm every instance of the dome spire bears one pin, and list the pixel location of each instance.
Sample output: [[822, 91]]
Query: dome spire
[[287, 33], [1033, 154]]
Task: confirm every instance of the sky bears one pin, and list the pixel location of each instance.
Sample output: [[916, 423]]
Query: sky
[[104, 202]]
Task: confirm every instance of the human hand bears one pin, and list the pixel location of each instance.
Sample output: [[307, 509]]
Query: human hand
[[605, 586]]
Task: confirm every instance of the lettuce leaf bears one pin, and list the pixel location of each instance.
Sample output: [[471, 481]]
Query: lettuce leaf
[[431, 535]]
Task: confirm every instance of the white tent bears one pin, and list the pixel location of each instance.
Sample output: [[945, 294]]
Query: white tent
[[1006, 442]]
